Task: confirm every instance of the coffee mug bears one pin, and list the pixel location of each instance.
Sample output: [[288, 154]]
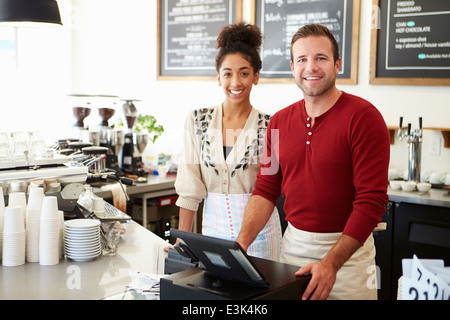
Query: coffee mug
[[435, 178], [446, 179]]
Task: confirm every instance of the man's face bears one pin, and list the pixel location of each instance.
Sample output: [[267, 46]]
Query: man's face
[[313, 67]]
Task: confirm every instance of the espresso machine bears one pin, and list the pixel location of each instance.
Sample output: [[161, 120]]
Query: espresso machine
[[130, 158], [414, 139]]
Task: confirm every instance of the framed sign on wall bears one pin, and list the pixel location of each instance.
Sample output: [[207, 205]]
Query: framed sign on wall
[[410, 42], [280, 20], [187, 36]]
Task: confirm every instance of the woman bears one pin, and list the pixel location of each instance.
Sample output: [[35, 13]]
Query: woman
[[223, 146]]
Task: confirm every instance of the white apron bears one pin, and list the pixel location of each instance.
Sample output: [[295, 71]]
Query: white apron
[[222, 218], [354, 281]]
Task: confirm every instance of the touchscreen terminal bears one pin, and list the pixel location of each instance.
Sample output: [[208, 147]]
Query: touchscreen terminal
[[223, 258]]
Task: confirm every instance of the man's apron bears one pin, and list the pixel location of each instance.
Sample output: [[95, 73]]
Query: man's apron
[[354, 281], [222, 218]]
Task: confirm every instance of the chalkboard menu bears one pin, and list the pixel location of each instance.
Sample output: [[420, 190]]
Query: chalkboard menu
[[410, 42], [188, 31], [280, 20]]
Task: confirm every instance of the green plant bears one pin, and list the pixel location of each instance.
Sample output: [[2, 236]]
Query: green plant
[[145, 123]]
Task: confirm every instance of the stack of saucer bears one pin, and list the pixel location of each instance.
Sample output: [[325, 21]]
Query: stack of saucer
[[49, 232], [82, 239], [13, 237]]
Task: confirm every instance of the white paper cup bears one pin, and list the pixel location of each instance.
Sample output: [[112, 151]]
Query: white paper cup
[[49, 208], [162, 171], [98, 205], [32, 235], [2, 202], [13, 249], [35, 198], [18, 199], [13, 221], [49, 235]]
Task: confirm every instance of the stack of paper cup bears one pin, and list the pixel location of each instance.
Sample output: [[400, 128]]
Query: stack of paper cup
[[61, 234], [2, 219], [33, 223], [49, 232], [18, 199], [13, 237]]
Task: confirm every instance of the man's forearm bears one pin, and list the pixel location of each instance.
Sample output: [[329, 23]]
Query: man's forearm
[[344, 248], [257, 213]]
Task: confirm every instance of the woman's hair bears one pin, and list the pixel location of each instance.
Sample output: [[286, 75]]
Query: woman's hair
[[242, 38], [316, 30]]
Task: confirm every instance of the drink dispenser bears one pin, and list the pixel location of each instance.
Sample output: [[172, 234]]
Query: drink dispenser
[[414, 139]]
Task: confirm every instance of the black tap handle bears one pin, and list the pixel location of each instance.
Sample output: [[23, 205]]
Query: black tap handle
[[409, 129], [124, 180], [401, 123], [420, 123], [127, 181]]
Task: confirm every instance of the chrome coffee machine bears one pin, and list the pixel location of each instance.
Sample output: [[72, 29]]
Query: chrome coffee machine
[[130, 157]]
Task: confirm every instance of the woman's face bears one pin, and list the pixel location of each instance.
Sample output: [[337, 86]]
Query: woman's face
[[236, 76]]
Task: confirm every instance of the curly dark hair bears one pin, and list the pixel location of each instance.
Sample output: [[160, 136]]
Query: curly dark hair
[[242, 38]]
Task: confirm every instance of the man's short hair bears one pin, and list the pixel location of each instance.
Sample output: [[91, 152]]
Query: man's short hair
[[315, 30]]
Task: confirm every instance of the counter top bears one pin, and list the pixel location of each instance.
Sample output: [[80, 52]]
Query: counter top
[[153, 184], [139, 250], [434, 197]]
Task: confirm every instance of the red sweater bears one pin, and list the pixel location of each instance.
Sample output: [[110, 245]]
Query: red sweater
[[334, 175]]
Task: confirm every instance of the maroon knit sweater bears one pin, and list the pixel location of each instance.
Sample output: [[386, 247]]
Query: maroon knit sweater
[[333, 175]]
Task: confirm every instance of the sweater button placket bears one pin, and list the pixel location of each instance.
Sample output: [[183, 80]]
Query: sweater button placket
[[308, 125]]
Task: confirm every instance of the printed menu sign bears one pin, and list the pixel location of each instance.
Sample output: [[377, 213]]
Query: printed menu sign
[[188, 35], [280, 20], [413, 39]]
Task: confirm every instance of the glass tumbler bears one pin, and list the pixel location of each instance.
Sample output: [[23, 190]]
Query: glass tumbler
[[5, 147]]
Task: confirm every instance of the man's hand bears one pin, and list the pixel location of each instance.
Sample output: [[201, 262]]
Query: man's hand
[[323, 277], [323, 273]]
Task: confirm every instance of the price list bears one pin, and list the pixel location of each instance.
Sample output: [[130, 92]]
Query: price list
[[418, 35], [188, 34], [280, 20], [413, 42]]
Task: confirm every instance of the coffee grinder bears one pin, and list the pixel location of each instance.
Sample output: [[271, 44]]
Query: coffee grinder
[[81, 108], [130, 158], [109, 137]]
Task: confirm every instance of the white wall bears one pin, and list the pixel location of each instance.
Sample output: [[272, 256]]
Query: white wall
[[115, 52], [111, 46], [32, 93]]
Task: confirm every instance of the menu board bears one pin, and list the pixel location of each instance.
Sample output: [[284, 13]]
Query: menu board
[[411, 42], [188, 31], [280, 20]]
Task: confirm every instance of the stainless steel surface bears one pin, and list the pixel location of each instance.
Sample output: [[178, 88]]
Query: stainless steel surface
[[434, 197], [154, 187], [139, 250], [153, 184]]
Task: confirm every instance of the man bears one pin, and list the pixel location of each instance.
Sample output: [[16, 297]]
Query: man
[[332, 154]]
